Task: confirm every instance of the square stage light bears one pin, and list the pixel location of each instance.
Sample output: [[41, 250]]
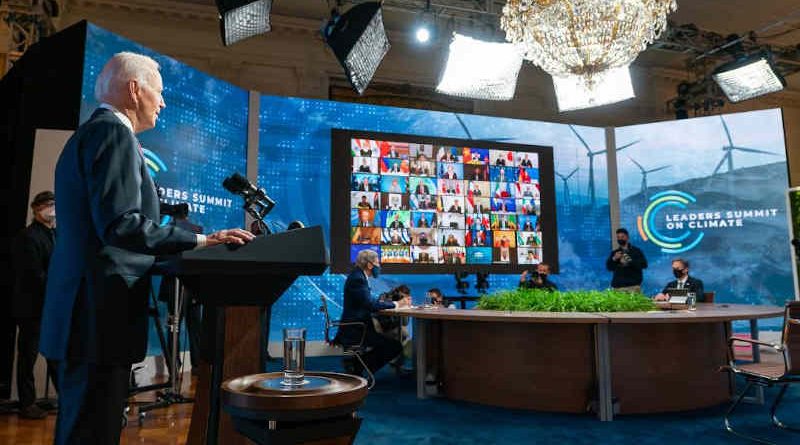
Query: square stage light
[[240, 20], [608, 87], [358, 39], [480, 70], [748, 78]]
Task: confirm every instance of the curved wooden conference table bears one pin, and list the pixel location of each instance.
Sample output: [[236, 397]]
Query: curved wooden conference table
[[633, 362]]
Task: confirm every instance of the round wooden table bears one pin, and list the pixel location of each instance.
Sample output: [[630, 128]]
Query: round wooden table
[[631, 362], [323, 411]]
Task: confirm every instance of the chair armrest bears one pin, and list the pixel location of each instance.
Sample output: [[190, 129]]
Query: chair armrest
[[753, 341], [732, 356], [361, 324]]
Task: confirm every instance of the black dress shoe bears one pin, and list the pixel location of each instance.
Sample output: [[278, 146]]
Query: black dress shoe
[[32, 412]]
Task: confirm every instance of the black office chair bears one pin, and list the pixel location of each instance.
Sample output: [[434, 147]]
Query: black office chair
[[353, 350], [770, 374]]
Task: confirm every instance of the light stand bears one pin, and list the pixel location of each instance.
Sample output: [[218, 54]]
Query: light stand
[[172, 394], [482, 282], [461, 284]]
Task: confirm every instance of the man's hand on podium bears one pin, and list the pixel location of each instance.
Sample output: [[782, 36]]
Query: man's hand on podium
[[229, 236]]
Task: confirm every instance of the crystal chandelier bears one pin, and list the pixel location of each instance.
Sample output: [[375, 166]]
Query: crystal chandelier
[[584, 38]]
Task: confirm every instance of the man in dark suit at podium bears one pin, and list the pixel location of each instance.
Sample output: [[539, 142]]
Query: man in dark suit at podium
[[94, 321], [680, 270], [359, 307]]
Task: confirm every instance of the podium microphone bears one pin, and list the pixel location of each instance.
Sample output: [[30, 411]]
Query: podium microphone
[[256, 201]]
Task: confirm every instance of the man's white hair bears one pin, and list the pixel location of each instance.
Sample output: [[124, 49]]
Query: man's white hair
[[365, 257], [122, 68]]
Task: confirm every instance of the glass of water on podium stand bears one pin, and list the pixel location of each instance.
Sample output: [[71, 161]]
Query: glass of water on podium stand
[[294, 356]]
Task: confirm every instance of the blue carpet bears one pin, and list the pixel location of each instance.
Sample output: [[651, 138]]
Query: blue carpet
[[394, 416]]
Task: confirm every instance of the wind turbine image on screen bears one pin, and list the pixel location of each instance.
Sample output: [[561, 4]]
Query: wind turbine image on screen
[[645, 172], [565, 179], [728, 149], [591, 154]]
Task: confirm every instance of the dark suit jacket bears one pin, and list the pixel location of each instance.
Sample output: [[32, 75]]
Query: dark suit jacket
[[693, 284], [358, 306], [629, 274], [32, 249], [96, 304]]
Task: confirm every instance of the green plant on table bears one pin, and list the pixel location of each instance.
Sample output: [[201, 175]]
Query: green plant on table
[[538, 300]]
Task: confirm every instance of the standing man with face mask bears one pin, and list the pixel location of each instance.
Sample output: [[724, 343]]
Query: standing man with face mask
[[32, 249], [680, 270], [94, 321], [626, 262]]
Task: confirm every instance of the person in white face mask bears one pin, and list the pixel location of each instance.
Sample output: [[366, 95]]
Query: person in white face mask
[[31, 258]]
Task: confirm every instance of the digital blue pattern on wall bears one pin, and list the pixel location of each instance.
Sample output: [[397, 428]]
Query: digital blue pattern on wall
[[200, 137], [294, 168]]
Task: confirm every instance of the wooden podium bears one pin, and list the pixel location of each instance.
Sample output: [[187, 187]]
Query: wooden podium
[[237, 287]]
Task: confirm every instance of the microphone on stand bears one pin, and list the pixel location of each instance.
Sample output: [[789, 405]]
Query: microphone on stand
[[256, 201]]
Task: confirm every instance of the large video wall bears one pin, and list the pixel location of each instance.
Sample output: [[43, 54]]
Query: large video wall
[[432, 205]]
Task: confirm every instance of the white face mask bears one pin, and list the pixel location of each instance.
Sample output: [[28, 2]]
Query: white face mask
[[47, 214]]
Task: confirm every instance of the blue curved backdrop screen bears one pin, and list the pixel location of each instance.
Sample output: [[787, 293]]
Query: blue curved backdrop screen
[[711, 190]]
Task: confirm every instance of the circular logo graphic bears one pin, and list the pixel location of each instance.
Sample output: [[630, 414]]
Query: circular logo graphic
[[672, 243]]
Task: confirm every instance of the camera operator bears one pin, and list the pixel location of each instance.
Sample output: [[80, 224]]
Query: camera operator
[[626, 262], [538, 280]]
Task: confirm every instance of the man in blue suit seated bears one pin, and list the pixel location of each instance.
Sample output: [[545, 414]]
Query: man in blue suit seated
[[94, 321], [359, 307], [680, 270]]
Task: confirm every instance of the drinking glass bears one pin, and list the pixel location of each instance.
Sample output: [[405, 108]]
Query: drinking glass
[[691, 301], [294, 356]]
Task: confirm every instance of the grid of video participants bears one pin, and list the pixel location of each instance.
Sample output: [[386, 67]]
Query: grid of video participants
[[433, 204]]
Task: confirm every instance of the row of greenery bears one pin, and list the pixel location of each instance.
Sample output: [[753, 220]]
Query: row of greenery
[[537, 300]]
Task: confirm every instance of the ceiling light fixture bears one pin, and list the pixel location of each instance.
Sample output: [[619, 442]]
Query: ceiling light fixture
[[582, 41]]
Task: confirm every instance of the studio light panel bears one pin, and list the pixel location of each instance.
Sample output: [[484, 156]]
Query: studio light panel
[[573, 93], [240, 20], [480, 70], [746, 80]]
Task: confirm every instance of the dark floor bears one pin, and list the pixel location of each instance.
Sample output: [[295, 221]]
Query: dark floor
[[394, 416]]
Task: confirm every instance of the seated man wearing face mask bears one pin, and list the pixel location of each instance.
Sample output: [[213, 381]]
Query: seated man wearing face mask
[[538, 280], [680, 269], [359, 307]]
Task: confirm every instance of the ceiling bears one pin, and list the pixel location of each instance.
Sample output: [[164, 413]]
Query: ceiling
[[723, 17]]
